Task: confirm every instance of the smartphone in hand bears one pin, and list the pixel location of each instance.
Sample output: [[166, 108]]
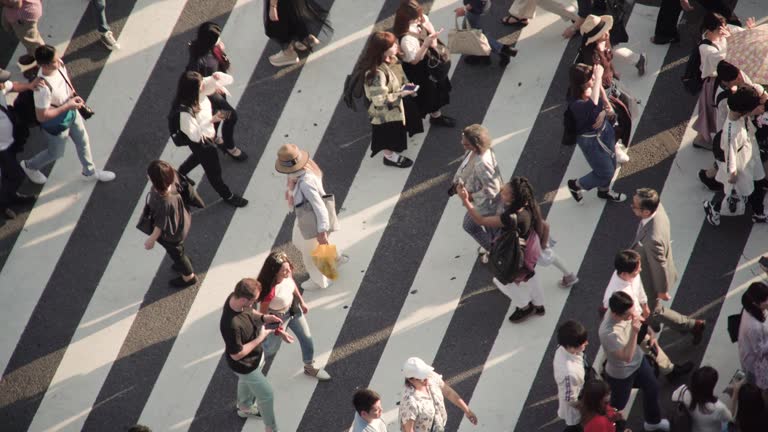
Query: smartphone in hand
[[410, 87], [272, 326]]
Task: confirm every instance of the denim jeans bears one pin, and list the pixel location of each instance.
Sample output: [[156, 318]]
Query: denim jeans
[[300, 328], [649, 386], [474, 21], [483, 236], [600, 159], [100, 7], [254, 388], [57, 144]]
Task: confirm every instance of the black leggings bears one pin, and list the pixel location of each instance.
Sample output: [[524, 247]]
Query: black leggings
[[207, 156], [176, 252], [12, 177], [219, 103]]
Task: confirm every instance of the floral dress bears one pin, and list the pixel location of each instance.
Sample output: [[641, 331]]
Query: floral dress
[[425, 407]]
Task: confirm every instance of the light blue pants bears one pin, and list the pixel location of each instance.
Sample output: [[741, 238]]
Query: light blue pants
[[300, 328], [101, 6], [57, 144], [474, 21], [254, 388]]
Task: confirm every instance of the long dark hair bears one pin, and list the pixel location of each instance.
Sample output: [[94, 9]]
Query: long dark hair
[[579, 76], [751, 299], [378, 44], [750, 412], [188, 91], [207, 35], [591, 404], [269, 271], [524, 197], [712, 21], [408, 11], [702, 388]]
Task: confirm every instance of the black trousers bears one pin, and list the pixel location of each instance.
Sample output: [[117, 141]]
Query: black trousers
[[219, 103], [11, 179], [207, 156], [177, 254], [669, 13]]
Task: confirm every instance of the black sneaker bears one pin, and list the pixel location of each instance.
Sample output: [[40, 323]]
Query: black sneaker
[[402, 162], [23, 199], [575, 191], [443, 121], [710, 183], [236, 201], [641, 63], [764, 263], [679, 370], [759, 218], [713, 217], [612, 196], [179, 282], [521, 315], [509, 50], [538, 310]]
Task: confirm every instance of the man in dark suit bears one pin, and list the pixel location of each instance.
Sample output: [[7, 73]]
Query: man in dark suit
[[653, 242], [669, 13]]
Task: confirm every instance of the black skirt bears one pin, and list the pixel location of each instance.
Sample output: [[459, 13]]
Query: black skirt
[[432, 95], [296, 17], [388, 136]]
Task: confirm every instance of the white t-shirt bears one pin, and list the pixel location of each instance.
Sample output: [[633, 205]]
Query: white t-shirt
[[283, 294], [201, 124], [634, 289], [6, 127], [58, 94], [710, 419], [360, 425], [410, 44]]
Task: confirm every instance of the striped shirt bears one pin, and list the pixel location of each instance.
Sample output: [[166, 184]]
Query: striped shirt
[[31, 10]]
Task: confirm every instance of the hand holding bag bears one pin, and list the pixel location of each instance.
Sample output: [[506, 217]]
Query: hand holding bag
[[468, 41], [307, 220], [146, 221]]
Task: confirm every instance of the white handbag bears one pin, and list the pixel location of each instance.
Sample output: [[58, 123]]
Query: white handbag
[[468, 41]]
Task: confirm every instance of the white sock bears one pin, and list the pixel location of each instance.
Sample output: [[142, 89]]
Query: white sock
[[394, 157]]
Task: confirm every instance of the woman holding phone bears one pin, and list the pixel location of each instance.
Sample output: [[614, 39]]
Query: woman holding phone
[[384, 88], [206, 56], [196, 122], [281, 297]]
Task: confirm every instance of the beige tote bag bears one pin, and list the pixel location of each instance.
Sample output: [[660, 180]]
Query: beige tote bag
[[468, 41]]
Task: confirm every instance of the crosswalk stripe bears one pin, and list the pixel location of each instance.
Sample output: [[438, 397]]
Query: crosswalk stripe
[[100, 334], [309, 101]]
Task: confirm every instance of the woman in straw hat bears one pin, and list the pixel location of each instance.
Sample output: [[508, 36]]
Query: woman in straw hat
[[305, 185], [596, 49], [592, 114]]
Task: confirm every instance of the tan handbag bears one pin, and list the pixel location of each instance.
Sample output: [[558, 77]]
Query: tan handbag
[[468, 41]]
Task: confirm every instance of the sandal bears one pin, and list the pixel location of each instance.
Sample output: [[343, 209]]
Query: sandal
[[512, 20]]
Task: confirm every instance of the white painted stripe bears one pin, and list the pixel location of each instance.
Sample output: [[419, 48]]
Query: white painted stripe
[[194, 357], [109, 315], [51, 221], [517, 347]]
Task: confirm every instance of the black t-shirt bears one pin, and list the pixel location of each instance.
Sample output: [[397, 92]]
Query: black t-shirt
[[237, 329], [523, 220]]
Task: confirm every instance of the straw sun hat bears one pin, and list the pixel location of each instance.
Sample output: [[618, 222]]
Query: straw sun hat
[[595, 27], [290, 158]]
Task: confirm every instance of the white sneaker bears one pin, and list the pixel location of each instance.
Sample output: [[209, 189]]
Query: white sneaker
[[310, 285], [250, 412], [283, 58], [663, 425], [99, 175], [341, 260], [35, 176], [568, 280], [320, 374], [109, 41]]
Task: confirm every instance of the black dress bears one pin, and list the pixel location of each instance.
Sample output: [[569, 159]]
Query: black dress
[[433, 93], [295, 19]]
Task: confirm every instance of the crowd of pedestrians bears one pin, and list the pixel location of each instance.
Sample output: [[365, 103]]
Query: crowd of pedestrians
[[405, 79]]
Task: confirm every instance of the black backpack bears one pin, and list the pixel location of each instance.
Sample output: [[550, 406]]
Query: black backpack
[[569, 128], [691, 78], [680, 419], [180, 139], [507, 255], [20, 130]]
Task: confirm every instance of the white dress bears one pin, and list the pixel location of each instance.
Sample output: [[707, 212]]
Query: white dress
[[741, 156]]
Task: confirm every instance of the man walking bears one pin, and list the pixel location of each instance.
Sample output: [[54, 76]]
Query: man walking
[[21, 18], [243, 330], [626, 365], [56, 106], [653, 242]]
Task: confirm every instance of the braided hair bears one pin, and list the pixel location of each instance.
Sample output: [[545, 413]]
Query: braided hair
[[524, 197]]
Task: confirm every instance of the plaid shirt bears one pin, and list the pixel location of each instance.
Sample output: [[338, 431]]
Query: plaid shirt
[[31, 10]]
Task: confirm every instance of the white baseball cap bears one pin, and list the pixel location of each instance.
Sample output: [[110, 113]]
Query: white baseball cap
[[415, 367]]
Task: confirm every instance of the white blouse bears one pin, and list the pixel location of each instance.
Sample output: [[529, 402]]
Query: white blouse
[[200, 125], [410, 44], [709, 419]]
